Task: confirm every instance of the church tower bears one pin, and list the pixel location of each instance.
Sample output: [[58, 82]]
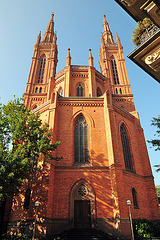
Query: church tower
[[105, 160], [43, 69]]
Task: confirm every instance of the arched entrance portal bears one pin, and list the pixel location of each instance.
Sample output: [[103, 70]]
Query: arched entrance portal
[[82, 205]]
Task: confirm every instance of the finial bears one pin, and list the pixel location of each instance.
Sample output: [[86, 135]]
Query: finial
[[90, 59], [68, 58], [38, 38]]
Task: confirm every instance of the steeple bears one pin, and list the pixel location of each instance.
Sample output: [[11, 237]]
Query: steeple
[[107, 35], [49, 33]]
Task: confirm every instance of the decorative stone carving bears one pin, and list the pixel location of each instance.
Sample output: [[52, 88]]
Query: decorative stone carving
[[128, 3], [153, 60]]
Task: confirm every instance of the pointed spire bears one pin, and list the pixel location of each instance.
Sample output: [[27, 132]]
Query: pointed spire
[[118, 40], [38, 38], [49, 33], [68, 58], [107, 35], [90, 59]]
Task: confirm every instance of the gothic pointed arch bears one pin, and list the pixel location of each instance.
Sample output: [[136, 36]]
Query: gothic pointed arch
[[81, 152], [88, 117], [126, 148], [114, 70], [82, 191], [42, 65]]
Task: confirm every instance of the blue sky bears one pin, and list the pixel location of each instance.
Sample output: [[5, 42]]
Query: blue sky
[[78, 25]]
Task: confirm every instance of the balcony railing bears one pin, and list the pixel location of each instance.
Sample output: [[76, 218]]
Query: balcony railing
[[148, 32]]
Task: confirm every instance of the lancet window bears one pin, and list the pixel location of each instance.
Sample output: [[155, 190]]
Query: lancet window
[[114, 70], [41, 69], [27, 198], [81, 140], [126, 148], [134, 195], [80, 90]]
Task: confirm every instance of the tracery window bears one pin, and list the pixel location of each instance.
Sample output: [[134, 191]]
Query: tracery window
[[36, 90], [126, 148], [114, 70], [81, 140], [27, 198], [41, 69], [99, 93], [80, 90], [40, 90], [134, 195]]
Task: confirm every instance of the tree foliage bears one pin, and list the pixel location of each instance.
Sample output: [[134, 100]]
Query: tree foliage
[[22, 139], [156, 142], [144, 228]]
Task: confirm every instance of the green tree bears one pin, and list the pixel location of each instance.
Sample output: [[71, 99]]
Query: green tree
[[158, 192], [22, 139], [156, 142]]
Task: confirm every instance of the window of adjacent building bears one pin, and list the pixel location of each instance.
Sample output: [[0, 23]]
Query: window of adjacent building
[[134, 195], [81, 140], [80, 90], [99, 93], [27, 198], [41, 69], [114, 70], [126, 148]]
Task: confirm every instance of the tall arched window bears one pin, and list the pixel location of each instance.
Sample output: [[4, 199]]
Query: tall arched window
[[99, 93], [126, 148], [27, 198], [41, 69], [81, 140], [134, 195], [80, 90], [114, 70]]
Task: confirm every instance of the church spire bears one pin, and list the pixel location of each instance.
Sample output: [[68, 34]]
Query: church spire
[[49, 33], [107, 35]]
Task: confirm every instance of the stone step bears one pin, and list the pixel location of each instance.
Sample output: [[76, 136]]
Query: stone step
[[84, 234]]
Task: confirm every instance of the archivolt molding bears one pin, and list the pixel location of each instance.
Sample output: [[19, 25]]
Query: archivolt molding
[[86, 115], [82, 190]]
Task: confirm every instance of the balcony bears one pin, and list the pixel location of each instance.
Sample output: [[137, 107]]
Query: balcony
[[147, 33]]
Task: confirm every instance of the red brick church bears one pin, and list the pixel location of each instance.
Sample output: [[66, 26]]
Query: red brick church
[[105, 160]]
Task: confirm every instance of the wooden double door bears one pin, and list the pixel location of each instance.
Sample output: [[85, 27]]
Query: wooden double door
[[82, 214]]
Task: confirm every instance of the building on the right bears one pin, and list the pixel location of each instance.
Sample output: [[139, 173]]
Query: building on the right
[[147, 53]]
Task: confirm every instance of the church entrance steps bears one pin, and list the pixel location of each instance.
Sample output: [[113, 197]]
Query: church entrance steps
[[84, 234]]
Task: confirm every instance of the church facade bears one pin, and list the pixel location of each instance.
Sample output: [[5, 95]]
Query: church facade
[[105, 160]]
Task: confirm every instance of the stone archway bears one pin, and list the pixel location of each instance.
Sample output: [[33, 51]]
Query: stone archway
[[82, 205]]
